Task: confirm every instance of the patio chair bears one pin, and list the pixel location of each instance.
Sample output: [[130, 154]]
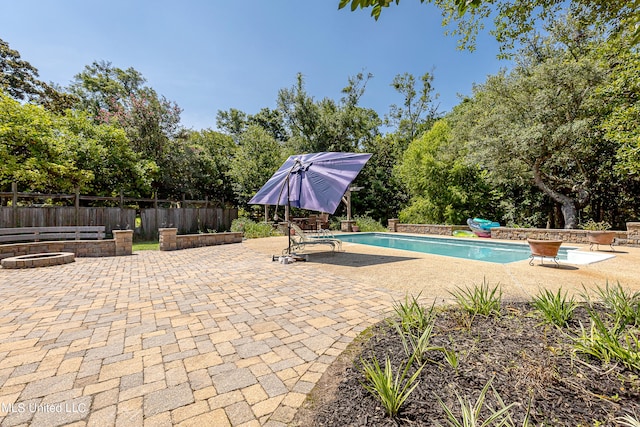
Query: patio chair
[[300, 239]]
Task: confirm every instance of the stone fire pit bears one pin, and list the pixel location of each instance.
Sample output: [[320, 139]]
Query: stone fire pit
[[38, 260]]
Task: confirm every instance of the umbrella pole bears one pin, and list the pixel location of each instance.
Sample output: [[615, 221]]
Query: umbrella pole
[[289, 217]]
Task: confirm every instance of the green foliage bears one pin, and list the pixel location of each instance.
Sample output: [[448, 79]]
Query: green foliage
[[481, 300], [595, 226], [471, 412], [392, 391], [536, 123], [257, 157], [518, 21], [368, 224], [443, 188], [327, 125], [628, 420], [555, 308], [608, 343], [623, 306], [251, 229], [383, 194], [413, 316]]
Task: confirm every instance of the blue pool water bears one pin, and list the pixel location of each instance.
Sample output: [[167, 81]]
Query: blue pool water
[[480, 250]]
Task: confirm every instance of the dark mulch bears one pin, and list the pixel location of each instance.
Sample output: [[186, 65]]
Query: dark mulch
[[529, 363]]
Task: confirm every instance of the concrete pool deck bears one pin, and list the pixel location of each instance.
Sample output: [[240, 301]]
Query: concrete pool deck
[[218, 335], [434, 276]]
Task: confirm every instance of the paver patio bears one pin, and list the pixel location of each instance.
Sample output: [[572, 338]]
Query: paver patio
[[218, 335], [209, 336]]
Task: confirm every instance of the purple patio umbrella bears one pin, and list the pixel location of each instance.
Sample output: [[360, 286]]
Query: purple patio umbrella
[[315, 181]]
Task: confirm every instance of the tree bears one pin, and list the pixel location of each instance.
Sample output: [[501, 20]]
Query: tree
[[516, 20], [442, 186], [19, 80], [32, 150], [540, 121], [42, 151], [257, 158], [383, 194], [235, 122], [326, 125], [212, 153], [417, 112]]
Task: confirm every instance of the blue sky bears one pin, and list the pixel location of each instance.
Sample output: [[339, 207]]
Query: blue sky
[[210, 55]]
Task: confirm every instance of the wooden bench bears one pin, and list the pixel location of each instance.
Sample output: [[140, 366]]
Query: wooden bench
[[36, 234]]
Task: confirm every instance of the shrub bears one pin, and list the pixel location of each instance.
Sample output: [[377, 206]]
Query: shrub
[[251, 229], [369, 224]]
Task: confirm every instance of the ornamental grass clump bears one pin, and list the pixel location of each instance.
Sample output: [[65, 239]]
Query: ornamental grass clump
[[623, 305], [481, 299], [470, 413], [609, 344], [555, 308], [413, 316], [392, 391]]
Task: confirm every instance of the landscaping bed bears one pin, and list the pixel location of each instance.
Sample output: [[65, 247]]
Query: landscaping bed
[[530, 364]]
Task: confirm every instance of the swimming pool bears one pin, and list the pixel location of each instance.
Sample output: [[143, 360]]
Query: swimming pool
[[480, 250]]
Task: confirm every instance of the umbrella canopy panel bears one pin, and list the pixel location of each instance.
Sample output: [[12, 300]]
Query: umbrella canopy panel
[[314, 181]]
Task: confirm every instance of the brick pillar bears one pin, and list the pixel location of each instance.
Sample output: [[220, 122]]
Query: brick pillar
[[392, 224], [124, 242], [168, 239], [347, 225], [633, 233]]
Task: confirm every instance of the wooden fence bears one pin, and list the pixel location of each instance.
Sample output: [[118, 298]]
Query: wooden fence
[[186, 220], [204, 217]]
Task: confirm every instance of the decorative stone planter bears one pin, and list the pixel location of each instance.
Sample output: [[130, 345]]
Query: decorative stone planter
[[38, 260], [601, 238], [544, 248]]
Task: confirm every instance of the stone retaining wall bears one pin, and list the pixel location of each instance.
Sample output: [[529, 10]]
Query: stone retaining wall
[[170, 241], [631, 237], [569, 236], [443, 230], [81, 248], [121, 244]]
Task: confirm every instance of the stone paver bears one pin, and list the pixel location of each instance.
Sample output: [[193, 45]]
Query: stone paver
[[208, 336]]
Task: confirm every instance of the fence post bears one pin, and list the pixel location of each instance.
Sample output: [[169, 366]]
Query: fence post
[[14, 204], [156, 226], [122, 226], [77, 205]]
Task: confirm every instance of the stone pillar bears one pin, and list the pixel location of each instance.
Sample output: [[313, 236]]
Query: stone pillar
[[633, 233], [124, 242], [347, 225], [168, 239], [392, 224]]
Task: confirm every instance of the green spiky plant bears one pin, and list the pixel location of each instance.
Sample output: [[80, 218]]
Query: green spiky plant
[[391, 390], [482, 300], [471, 412], [624, 305], [413, 316], [555, 308]]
